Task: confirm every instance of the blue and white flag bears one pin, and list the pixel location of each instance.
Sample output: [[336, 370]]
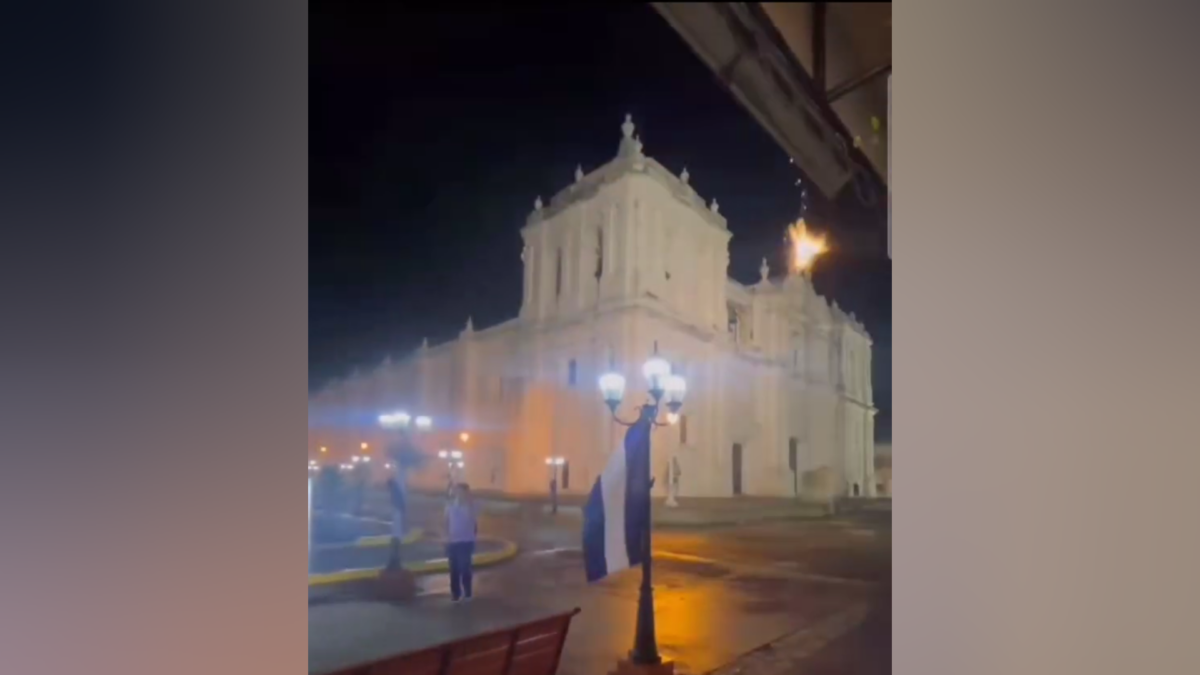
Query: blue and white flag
[[615, 518]]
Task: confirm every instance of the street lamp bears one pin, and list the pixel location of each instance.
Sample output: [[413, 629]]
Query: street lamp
[[665, 388], [402, 422], [554, 463], [454, 460]]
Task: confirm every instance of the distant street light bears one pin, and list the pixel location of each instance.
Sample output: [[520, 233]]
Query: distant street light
[[454, 460], [401, 458], [554, 463]]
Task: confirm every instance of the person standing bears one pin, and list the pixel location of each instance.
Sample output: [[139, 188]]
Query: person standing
[[461, 529]]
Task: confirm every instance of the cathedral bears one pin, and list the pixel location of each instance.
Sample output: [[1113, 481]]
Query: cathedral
[[626, 262]]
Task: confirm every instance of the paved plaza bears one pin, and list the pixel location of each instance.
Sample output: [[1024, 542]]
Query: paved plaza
[[788, 597]]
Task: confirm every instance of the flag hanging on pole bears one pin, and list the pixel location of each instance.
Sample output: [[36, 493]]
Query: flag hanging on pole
[[616, 516]]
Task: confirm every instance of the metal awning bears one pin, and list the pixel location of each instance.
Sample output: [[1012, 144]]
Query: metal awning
[[814, 74]]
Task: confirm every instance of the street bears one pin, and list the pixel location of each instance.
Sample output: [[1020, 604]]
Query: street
[[817, 591]]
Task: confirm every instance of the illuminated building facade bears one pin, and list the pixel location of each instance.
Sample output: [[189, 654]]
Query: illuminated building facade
[[626, 261]]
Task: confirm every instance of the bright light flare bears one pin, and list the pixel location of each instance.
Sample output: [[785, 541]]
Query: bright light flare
[[464, 437], [806, 246], [672, 418]]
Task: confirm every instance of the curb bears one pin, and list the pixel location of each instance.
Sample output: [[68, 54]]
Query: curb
[[508, 551], [414, 535]]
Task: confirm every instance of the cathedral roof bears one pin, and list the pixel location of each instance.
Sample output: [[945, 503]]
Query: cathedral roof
[[629, 160]]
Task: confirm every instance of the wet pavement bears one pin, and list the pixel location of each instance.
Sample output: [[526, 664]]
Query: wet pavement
[[720, 593]]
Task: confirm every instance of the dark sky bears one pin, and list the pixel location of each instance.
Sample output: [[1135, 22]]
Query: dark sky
[[431, 133]]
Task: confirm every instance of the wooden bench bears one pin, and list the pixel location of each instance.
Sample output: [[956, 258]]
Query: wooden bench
[[532, 648]]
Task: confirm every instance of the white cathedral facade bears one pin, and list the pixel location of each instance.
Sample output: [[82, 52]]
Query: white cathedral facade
[[626, 261]]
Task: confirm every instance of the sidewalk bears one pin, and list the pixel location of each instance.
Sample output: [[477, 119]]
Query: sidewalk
[[707, 613]]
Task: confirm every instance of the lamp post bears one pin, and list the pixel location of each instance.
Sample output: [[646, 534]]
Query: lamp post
[[554, 463], [663, 388], [454, 460], [403, 423]]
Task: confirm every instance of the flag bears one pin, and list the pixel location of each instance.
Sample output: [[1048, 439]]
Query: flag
[[616, 516]]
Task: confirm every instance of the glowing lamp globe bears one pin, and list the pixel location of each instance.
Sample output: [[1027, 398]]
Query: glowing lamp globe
[[423, 423], [656, 370], [674, 389], [612, 387]]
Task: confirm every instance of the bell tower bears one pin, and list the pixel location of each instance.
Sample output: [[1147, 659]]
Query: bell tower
[[629, 231]]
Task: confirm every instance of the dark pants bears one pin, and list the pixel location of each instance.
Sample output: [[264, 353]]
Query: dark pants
[[459, 554]]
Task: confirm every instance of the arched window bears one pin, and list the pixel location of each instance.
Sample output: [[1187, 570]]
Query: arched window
[[571, 372]]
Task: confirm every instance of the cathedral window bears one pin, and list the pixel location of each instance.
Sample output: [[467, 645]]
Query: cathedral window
[[571, 372], [599, 253], [558, 273]]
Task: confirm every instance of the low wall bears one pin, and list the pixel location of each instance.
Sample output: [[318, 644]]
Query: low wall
[[690, 511]]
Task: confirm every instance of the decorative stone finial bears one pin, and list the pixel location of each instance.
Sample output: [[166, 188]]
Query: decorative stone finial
[[578, 173], [470, 326], [537, 203], [685, 176], [424, 343], [631, 145], [764, 270], [714, 206]]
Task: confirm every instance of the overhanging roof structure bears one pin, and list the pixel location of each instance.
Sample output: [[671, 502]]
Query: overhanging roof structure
[[815, 75]]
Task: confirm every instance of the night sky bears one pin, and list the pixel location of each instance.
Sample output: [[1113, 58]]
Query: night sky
[[432, 132]]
